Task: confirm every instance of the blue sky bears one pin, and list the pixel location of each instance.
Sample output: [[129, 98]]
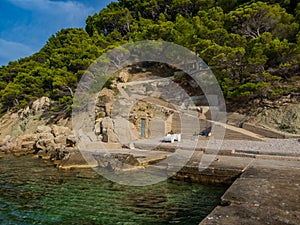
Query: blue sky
[[26, 25]]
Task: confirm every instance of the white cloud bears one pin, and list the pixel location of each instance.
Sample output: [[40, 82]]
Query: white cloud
[[46, 17], [67, 11], [12, 50]]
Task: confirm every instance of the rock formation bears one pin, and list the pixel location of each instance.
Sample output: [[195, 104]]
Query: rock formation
[[27, 131]]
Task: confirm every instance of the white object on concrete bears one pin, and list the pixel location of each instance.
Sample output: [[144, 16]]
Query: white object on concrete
[[172, 137]]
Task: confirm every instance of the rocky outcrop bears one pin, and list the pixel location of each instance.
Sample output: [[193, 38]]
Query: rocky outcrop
[[29, 120], [115, 162], [104, 102], [26, 132], [48, 142], [285, 118], [25, 121]]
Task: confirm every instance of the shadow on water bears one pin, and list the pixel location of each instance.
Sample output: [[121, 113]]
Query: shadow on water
[[35, 192]]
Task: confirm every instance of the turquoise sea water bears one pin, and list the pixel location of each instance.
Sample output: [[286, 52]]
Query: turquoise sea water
[[35, 192]]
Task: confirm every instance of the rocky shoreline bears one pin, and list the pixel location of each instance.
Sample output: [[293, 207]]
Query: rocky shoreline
[[47, 142], [29, 131]]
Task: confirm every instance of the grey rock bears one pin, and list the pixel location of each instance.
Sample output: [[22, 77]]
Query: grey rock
[[60, 130], [61, 139], [45, 144], [43, 129], [45, 136]]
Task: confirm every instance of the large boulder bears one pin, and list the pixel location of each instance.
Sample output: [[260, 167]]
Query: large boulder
[[41, 104], [37, 107], [61, 139], [43, 129], [46, 136], [60, 130], [23, 145], [28, 138], [45, 144]]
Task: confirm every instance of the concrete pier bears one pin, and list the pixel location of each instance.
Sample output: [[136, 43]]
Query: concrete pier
[[264, 177], [267, 192]]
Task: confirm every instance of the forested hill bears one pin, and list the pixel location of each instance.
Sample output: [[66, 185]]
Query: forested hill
[[253, 47]]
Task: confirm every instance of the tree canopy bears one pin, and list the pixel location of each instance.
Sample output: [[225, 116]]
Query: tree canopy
[[252, 47]]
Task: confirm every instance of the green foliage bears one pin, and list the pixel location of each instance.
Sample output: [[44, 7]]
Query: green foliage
[[249, 90], [251, 46], [282, 91], [254, 19]]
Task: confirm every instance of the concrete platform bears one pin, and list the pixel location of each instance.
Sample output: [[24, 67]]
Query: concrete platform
[[264, 181], [268, 192]]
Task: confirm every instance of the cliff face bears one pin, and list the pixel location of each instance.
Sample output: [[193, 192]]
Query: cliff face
[[285, 118], [26, 120]]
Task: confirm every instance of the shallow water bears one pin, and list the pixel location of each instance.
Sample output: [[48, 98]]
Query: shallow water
[[35, 192]]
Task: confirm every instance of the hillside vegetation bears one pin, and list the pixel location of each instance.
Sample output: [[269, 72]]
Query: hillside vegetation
[[253, 47]]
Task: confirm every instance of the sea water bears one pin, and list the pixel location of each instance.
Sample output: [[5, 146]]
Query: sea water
[[35, 192]]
